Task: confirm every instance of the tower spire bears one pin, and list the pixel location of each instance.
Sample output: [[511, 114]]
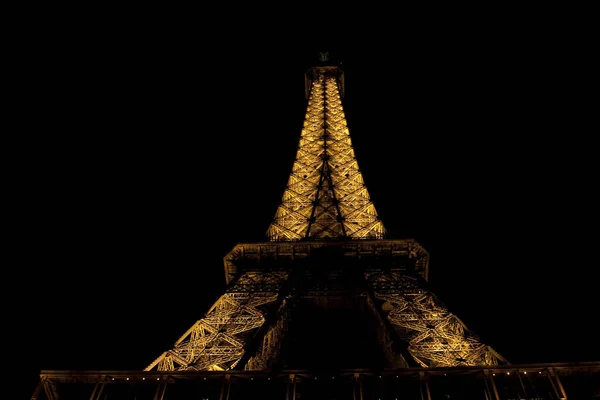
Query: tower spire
[[325, 197]]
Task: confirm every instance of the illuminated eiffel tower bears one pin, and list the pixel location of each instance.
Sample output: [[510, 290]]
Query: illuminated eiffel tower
[[327, 307], [327, 288]]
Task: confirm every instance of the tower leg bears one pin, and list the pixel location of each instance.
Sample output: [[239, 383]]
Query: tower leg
[[417, 314]]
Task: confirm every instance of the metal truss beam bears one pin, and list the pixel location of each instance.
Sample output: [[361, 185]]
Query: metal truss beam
[[435, 337], [218, 341], [326, 196]]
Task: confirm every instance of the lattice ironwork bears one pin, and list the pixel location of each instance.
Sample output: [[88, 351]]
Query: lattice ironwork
[[326, 196], [217, 341], [269, 350], [435, 337]]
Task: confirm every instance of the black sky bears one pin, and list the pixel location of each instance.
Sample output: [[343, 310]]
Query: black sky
[[144, 168]]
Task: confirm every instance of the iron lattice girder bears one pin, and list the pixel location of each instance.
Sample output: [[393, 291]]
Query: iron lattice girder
[[325, 196], [436, 337], [217, 341], [269, 349]]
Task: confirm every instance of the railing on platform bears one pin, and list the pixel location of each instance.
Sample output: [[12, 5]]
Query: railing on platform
[[572, 381]]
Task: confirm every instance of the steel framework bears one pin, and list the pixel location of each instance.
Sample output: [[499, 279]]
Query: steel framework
[[325, 205], [216, 342], [435, 337], [326, 196], [326, 246]]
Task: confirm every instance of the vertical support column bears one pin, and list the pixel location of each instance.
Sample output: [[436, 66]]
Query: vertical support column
[[357, 389], [225, 387], [290, 393], [559, 390], [161, 390], [50, 390], [522, 385], [38, 389], [97, 392], [486, 392], [491, 392], [424, 386]]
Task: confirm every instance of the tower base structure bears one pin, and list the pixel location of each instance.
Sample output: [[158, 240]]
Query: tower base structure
[[344, 304], [336, 319]]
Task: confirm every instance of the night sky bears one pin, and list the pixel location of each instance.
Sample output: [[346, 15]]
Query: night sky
[[146, 166]]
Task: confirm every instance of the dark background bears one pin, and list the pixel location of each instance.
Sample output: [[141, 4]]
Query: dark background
[[144, 164]]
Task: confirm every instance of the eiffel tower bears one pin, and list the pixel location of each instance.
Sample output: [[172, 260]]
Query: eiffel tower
[[327, 307], [327, 279]]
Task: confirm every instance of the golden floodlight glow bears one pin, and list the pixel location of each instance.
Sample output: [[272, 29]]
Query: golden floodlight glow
[[435, 336], [326, 197], [216, 342]]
